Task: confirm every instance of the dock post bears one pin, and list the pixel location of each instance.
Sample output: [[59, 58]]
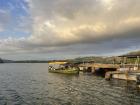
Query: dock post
[[108, 75], [138, 57], [126, 75], [138, 79]]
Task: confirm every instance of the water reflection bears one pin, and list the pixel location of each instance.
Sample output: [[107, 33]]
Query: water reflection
[[31, 84]]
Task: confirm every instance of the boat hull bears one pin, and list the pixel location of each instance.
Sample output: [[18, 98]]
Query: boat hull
[[66, 71]]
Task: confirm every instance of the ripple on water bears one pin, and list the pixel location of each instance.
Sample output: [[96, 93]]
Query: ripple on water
[[31, 84]]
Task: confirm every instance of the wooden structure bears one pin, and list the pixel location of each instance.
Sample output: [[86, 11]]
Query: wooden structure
[[128, 72], [98, 68]]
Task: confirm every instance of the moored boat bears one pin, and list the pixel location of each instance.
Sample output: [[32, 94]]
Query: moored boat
[[63, 68], [65, 71]]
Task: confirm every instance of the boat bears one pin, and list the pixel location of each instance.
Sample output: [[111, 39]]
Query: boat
[[65, 71], [62, 68]]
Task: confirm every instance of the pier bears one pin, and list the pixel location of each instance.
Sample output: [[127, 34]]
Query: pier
[[128, 72], [98, 68]]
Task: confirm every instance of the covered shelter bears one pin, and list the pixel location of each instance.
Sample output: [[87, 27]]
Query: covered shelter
[[130, 61]]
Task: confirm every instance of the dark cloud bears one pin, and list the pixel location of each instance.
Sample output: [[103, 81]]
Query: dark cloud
[[81, 27]]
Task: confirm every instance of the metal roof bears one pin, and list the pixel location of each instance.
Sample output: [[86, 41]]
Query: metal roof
[[131, 56]]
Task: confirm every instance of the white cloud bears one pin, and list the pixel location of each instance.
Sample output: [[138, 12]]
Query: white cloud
[[75, 20], [63, 23]]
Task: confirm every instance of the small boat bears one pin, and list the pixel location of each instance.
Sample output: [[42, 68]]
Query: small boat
[[65, 71], [63, 68]]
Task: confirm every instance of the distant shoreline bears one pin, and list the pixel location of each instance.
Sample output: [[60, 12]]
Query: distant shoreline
[[24, 61]]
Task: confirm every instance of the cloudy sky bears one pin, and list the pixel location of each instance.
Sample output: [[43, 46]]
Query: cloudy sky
[[53, 29]]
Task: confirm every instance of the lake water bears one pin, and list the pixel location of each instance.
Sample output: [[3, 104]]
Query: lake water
[[31, 84]]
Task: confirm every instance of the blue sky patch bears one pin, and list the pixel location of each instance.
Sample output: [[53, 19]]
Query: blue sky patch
[[13, 13]]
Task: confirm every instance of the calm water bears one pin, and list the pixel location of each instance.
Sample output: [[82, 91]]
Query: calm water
[[31, 84]]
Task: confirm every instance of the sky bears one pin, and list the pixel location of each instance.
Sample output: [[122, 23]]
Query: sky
[[60, 29]]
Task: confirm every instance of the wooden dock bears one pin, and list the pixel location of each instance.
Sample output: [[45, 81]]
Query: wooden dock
[[98, 68], [124, 75]]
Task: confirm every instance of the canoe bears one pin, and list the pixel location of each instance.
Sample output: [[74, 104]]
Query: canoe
[[65, 71]]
